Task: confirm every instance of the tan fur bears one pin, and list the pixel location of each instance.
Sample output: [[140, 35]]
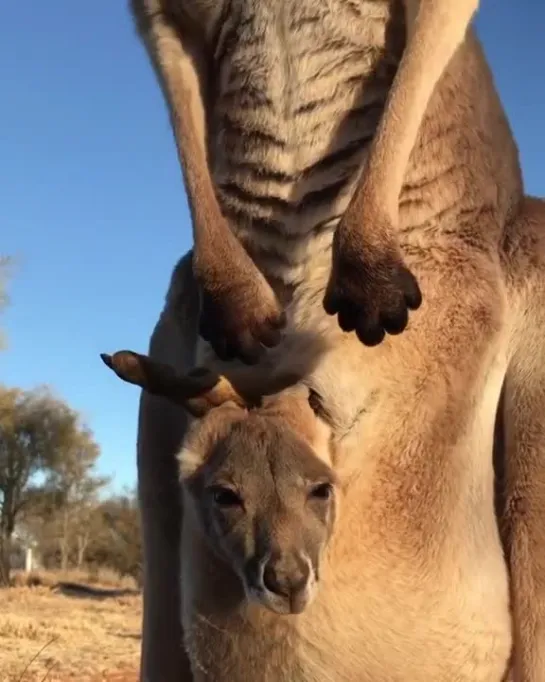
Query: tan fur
[[523, 437], [235, 288], [417, 588], [413, 581], [370, 287]]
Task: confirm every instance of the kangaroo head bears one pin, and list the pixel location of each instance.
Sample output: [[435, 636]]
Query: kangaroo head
[[259, 482], [264, 497]]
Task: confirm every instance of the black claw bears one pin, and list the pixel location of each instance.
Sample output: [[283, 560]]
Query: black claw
[[331, 303], [370, 335], [413, 295], [347, 317], [395, 323], [270, 337]]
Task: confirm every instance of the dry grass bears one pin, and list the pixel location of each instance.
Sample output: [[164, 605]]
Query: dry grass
[[72, 638], [99, 578]]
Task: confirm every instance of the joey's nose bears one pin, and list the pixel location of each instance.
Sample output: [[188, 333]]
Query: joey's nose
[[287, 579]]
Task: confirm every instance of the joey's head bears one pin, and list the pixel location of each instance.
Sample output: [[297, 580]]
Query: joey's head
[[265, 501], [262, 491]]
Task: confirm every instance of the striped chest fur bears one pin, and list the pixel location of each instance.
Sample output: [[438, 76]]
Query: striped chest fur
[[298, 87]]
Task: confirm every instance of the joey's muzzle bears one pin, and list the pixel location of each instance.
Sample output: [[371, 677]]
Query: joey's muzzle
[[284, 583]]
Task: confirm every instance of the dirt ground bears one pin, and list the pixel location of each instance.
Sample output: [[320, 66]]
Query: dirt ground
[[61, 635]]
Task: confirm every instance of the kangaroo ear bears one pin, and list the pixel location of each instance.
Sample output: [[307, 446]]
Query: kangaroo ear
[[198, 391]]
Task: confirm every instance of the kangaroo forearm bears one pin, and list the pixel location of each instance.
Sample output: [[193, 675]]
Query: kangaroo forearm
[[435, 29], [180, 64]]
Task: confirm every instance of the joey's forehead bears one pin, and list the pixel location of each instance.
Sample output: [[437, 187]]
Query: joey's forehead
[[274, 457]]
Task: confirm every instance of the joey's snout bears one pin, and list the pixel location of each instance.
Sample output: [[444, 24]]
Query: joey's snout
[[289, 579], [284, 583]]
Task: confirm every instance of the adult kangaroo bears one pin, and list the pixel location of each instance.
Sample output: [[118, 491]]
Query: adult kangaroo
[[358, 145]]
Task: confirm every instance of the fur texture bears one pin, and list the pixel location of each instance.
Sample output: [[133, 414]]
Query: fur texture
[[274, 107], [274, 147]]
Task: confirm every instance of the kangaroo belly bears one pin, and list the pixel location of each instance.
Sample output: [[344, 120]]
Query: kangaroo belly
[[463, 634], [299, 87]]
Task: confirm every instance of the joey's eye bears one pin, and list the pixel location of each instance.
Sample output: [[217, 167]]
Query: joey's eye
[[322, 491], [225, 497], [314, 401]]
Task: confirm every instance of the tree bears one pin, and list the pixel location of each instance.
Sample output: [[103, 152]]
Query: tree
[[75, 491], [38, 432], [119, 545]]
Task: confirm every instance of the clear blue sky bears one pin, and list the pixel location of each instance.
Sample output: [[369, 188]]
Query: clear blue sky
[[91, 199]]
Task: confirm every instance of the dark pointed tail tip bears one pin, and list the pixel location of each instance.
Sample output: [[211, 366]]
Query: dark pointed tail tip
[[106, 359]]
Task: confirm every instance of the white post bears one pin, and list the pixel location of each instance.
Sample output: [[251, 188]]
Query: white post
[[28, 560]]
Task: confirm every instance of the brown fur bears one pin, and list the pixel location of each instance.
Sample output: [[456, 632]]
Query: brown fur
[[523, 437], [236, 295], [417, 588], [416, 514], [199, 391], [370, 287]]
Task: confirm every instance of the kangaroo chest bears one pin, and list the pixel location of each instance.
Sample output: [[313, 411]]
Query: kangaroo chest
[[355, 635], [296, 90]]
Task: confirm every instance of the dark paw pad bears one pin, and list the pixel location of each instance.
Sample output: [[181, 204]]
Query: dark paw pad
[[240, 330], [372, 301]]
